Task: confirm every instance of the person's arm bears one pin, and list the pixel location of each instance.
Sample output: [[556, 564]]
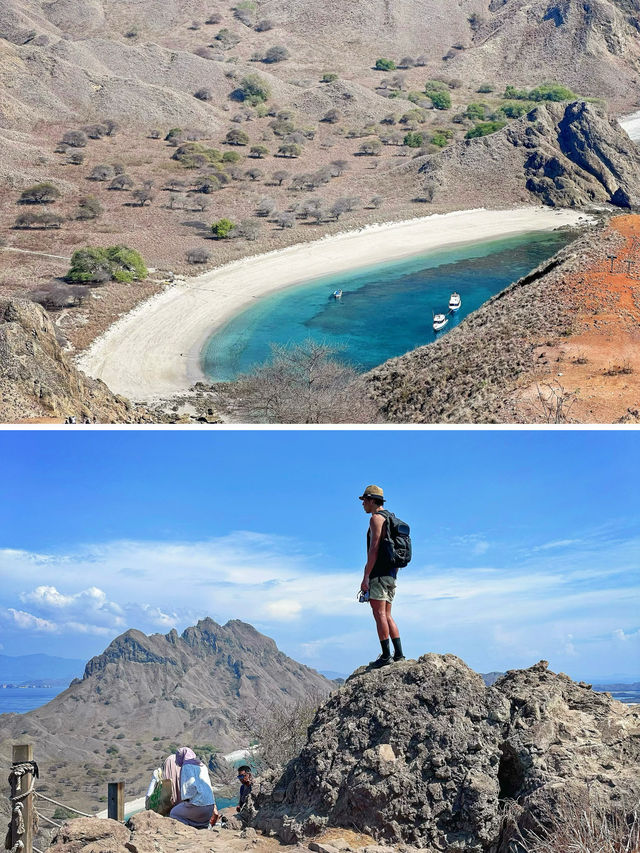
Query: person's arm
[[376, 526]]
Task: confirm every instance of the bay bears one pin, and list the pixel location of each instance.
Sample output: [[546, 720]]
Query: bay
[[385, 311], [19, 700]]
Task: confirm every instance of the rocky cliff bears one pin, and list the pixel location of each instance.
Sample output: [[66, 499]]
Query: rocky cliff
[[562, 155], [424, 754], [38, 380], [146, 693]]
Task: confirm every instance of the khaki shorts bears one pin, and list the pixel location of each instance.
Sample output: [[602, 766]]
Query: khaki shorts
[[382, 589]]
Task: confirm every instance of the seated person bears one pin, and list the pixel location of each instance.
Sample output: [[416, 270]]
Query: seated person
[[198, 804], [246, 780]]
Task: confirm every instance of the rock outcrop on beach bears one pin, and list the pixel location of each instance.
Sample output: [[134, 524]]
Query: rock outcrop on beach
[[569, 155], [146, 694], [38, 380], [422, 753]]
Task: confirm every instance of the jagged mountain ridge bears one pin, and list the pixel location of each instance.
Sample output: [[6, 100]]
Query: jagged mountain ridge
[[144, 692]]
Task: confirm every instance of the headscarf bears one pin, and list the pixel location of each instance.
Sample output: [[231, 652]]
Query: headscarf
[[171, 771], [184, 755]]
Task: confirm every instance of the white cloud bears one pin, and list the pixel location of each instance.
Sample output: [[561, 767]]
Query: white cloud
[[619, 634], [32, 623], [560, 543], [284, 609]]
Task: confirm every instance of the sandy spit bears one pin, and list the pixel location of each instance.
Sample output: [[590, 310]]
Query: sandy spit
[[154, 351]]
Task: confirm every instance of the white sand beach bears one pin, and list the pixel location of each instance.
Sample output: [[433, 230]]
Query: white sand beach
[[154, 351], [631, 125]]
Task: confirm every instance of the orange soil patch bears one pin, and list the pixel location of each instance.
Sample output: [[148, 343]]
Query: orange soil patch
[[598, 367]]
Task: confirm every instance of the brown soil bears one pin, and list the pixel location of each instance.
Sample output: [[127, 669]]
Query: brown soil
[[597, 368]]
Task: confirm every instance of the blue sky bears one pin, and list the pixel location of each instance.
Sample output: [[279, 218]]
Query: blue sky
[[526, 543]]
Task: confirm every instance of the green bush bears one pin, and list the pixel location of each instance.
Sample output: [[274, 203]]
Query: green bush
[[545, 92], [385, 65], [413, 139], [477, 112], [441, 100], [441, 138], [99, 264], [485, 128], [231, 157], [328, 78], [484, 88], [237, 137], [254, 89], [194, 155], [513, 110], [552, 92], [42, 193], [222, 228]]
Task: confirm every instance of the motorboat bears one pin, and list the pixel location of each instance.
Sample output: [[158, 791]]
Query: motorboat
[[439, 322], [454, 302], [337, 294]]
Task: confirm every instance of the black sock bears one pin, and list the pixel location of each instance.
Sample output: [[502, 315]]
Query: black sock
[[397, 647], [385, 648]]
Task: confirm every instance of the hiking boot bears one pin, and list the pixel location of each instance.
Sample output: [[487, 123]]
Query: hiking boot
[[382, 660], [398, 658]]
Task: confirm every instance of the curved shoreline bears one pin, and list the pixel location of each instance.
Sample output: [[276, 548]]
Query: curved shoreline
[[155, 350]]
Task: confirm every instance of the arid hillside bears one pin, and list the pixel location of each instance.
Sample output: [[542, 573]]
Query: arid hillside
[[144, 694]]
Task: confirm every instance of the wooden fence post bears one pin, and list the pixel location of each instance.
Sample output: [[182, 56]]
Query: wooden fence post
[[115, 801], [22, 818]]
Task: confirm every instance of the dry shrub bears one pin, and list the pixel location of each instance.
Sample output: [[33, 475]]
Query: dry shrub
[[586, 824], [280, 731], [302, 384]]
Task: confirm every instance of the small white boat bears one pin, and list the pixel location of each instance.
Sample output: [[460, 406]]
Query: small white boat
[[439, 322], [454, 302], [337, 294]]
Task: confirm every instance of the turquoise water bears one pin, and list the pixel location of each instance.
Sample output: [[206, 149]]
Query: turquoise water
[[385, 311]]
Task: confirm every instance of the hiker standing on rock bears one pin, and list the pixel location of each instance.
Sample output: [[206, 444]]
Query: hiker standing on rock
[[380, 573]]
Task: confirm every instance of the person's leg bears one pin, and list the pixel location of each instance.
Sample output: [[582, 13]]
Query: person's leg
[[379, 609], [393, 628], [394, 634]]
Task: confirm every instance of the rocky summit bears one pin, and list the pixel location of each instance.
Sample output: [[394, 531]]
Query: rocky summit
[[422, 753]]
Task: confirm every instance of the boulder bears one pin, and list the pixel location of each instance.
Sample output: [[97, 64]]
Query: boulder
[[422, 753]]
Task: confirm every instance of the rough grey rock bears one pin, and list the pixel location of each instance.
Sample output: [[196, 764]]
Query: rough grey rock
[[423, 753], [564, 155], [37, 378]]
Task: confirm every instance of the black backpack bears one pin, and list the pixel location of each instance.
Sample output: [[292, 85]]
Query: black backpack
[[396, 544]]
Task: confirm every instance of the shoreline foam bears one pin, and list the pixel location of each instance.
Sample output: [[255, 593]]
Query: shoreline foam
[[155, 351]]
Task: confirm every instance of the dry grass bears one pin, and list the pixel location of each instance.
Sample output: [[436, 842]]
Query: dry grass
[[586, 825]]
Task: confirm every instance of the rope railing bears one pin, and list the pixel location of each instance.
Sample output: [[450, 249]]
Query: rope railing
[[62, 805], [25, 818]]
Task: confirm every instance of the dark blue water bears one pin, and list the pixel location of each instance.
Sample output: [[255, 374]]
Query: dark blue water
[[386, 310], [18, 700]]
